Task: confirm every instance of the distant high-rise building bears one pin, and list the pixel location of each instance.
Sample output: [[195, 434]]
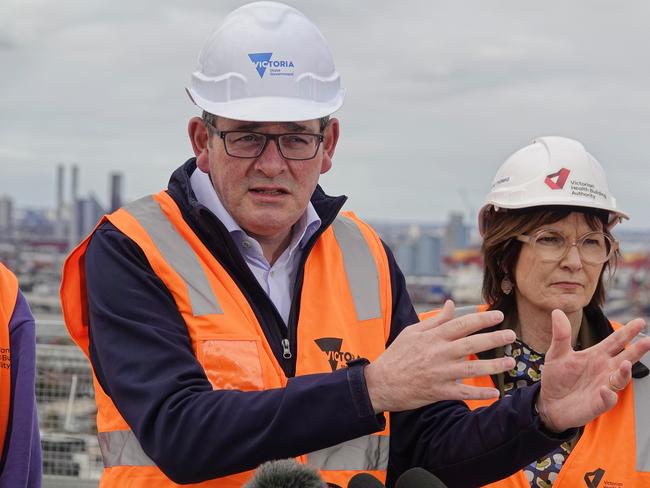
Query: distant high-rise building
[[428, 255], [60, 224], [419, 251], [456, 235], [115, 191], [88, 213], [6, 217], [74, 234], [405, 256], [60, 185], [74, 183]]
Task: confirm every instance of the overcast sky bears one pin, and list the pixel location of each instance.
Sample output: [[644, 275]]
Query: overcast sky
[[438, 94]]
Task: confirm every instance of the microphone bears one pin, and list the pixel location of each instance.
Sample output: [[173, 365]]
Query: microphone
[[365, 480], [285, 473], [419, 478]]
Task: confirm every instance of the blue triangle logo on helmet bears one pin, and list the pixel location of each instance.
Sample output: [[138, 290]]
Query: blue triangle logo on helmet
[[261, 61]]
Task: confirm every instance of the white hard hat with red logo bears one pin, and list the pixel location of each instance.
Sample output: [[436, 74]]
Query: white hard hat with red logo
[[267, 62], [550, 171]]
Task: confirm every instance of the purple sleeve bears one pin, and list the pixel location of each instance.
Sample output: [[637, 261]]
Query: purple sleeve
[[22, 463]]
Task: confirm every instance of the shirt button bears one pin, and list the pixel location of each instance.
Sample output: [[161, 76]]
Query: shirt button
[[246, 244], [272, 273]]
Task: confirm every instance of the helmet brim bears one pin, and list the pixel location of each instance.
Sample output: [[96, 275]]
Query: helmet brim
[[615, 216], [269, 109]]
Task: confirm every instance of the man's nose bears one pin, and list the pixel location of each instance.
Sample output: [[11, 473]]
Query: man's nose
[[270, 161]]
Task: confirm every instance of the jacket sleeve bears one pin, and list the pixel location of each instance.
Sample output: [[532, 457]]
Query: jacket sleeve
[[22, 463], [141, 353], [463, 448]]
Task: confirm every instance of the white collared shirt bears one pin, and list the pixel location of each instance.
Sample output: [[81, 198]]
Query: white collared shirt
[[276, 280]]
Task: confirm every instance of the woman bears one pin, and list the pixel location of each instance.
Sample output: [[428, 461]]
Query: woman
[[20, 466], [548, 245]]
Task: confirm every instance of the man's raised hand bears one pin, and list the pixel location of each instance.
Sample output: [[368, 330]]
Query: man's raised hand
[[427, 361]]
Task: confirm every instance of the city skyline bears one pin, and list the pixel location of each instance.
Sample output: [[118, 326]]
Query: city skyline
[[438, 95], [113, 195]]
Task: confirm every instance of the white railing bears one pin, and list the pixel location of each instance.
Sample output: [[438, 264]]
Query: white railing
[[66, 408]]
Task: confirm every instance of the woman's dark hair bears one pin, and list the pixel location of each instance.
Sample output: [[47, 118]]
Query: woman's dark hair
[[501, 249]]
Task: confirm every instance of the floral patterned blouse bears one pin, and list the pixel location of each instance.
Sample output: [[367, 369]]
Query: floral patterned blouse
[[528, 370]]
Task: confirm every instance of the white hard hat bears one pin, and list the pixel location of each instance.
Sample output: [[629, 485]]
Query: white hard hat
[[267, 62], [550, 171]]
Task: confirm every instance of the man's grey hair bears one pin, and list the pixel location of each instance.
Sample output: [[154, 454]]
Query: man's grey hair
[[211, 121]]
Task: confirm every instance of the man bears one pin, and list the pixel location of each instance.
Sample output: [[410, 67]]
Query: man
[[19, 436], [230, 319]]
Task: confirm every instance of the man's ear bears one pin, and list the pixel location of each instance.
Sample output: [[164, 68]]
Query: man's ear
[[199, 138], [331, 137]]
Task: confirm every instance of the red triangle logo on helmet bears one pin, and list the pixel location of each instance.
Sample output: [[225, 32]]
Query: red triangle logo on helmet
[[556, 181]]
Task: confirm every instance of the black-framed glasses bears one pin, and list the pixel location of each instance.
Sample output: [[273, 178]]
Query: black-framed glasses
[[551, 245], [250, 144]]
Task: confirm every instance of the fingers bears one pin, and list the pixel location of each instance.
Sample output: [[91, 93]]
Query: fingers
[[446, 313], [609, 399], [468, 324], [561, 340], [480, 367], [615, 342], [635, 351], [461, 391], [482, 342], [619, 379]]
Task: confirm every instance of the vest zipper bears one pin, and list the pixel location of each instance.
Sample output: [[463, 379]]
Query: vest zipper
[[230, 258], [292, 325], [286, 349]]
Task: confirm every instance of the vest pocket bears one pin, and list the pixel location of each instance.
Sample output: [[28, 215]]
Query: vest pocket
[[232, 364]]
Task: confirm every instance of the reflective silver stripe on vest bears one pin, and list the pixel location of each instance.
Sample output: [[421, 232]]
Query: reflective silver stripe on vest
[[121, 448], [360, 268], [465, 310], [177, 252], [642, 419], [368, 453]]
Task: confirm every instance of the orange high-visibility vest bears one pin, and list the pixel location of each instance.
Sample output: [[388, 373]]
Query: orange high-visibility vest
[[613, 450], [346, 298], [8, 297]]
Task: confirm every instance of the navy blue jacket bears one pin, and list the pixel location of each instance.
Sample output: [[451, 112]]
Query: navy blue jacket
[[142, 356]]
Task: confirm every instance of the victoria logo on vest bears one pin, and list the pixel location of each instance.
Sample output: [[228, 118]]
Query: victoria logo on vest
[[331, 346], [592, 479]]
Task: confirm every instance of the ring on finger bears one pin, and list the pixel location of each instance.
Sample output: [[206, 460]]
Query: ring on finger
[[612, 386]]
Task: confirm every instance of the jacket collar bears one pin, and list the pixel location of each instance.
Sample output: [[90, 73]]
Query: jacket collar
[[327, 207]]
